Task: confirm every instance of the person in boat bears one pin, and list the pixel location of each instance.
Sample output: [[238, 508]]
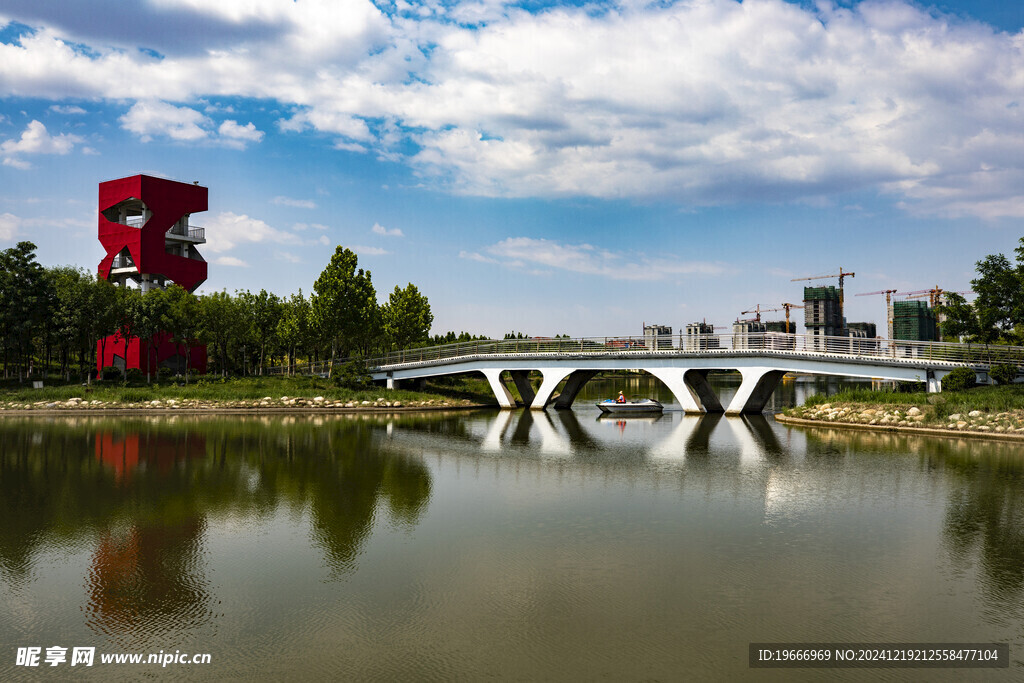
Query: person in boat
[[621, 398]]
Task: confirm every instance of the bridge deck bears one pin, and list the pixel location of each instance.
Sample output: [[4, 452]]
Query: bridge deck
[[682, 362]]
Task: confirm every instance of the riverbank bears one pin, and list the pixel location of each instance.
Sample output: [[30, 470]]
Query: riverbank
[[276, 394], [988, 411]]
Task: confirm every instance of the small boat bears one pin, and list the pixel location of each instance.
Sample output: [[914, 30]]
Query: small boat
[[644, 405]]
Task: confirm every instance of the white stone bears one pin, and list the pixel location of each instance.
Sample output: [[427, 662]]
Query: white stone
[[955, 417], [914, 411], [974, 413]]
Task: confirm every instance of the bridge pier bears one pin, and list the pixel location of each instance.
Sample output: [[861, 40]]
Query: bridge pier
[[690, 387], [501, 392], [552, 378], [521, 378], [577, 378], [755, 390]]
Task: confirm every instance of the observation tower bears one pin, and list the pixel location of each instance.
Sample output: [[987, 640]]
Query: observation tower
[[144, 228]]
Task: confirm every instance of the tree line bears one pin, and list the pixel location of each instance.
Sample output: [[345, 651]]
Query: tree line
[[54, 317], [996, 316]]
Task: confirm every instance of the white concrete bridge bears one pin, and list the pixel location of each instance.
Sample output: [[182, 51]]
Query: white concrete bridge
[[682, 363]]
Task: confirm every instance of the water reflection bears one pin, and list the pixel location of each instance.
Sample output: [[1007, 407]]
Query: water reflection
[[138, 496], [440, 546], [984, 515], [669, 436]]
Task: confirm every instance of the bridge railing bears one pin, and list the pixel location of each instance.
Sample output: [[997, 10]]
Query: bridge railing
[[710, 344]]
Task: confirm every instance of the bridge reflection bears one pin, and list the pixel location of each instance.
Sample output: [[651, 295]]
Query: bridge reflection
[[671, 436]]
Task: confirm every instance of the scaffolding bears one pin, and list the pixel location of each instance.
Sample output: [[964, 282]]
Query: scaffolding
[[913, 321]]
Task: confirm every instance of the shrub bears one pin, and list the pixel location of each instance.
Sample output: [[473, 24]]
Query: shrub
[[1003, 373], [960, 379], [164, 375], [134, 376], [111, 373], [353, 376]]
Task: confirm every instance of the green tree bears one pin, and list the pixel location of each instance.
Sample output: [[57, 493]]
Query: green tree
[[23, 291], [101, 307], [182, 320], [293, 326], [150, 314], [222, 323], [69, 317], [345, 305], [263, 311], [997, 313], [406, 317]]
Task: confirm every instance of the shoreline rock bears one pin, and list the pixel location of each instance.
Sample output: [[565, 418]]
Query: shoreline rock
[[285, 404], [919, 419]]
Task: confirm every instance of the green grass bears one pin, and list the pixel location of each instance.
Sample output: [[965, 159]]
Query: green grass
[[869, 396], [245, 389], [988, 399]]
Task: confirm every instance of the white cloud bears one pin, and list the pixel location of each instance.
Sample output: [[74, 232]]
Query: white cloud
[[370, 251], [237, 135], [698, 102], [67, 109], [230, 261], [324, 240], [155, 118], [379, 229], [297, 203], [475, 256], [36, 140], [9, 224], [226, 230], [17, 163], [590, 260], [290, 258]]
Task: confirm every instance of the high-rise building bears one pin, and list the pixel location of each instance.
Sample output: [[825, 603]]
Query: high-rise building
[[657, 336], [823, 315], [913, 321], [700, 337]]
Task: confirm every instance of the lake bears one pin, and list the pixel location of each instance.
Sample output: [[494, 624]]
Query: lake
[[550, 545]]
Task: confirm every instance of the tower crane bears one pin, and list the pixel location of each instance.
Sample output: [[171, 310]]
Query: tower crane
[[888, 305], [934, 294], [839, 275], [787, 307], [758, 311]]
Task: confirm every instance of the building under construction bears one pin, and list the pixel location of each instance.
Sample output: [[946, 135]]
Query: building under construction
[[913, 321], [869, 329], [823, 314]]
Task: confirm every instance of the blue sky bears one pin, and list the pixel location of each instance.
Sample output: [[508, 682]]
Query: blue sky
[[576, 168]]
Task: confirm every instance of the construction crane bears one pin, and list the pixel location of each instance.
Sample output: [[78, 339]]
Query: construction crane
[[758, 311], [787, 307], [839, 275], [888, 305], [934, 295]]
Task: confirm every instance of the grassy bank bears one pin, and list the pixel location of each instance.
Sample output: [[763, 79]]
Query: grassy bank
[[998, 409], [456, 391]]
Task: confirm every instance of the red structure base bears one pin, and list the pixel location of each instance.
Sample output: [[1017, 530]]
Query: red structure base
[[158, 352]]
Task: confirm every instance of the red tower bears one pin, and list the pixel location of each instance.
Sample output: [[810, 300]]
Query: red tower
[[144, 227]]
